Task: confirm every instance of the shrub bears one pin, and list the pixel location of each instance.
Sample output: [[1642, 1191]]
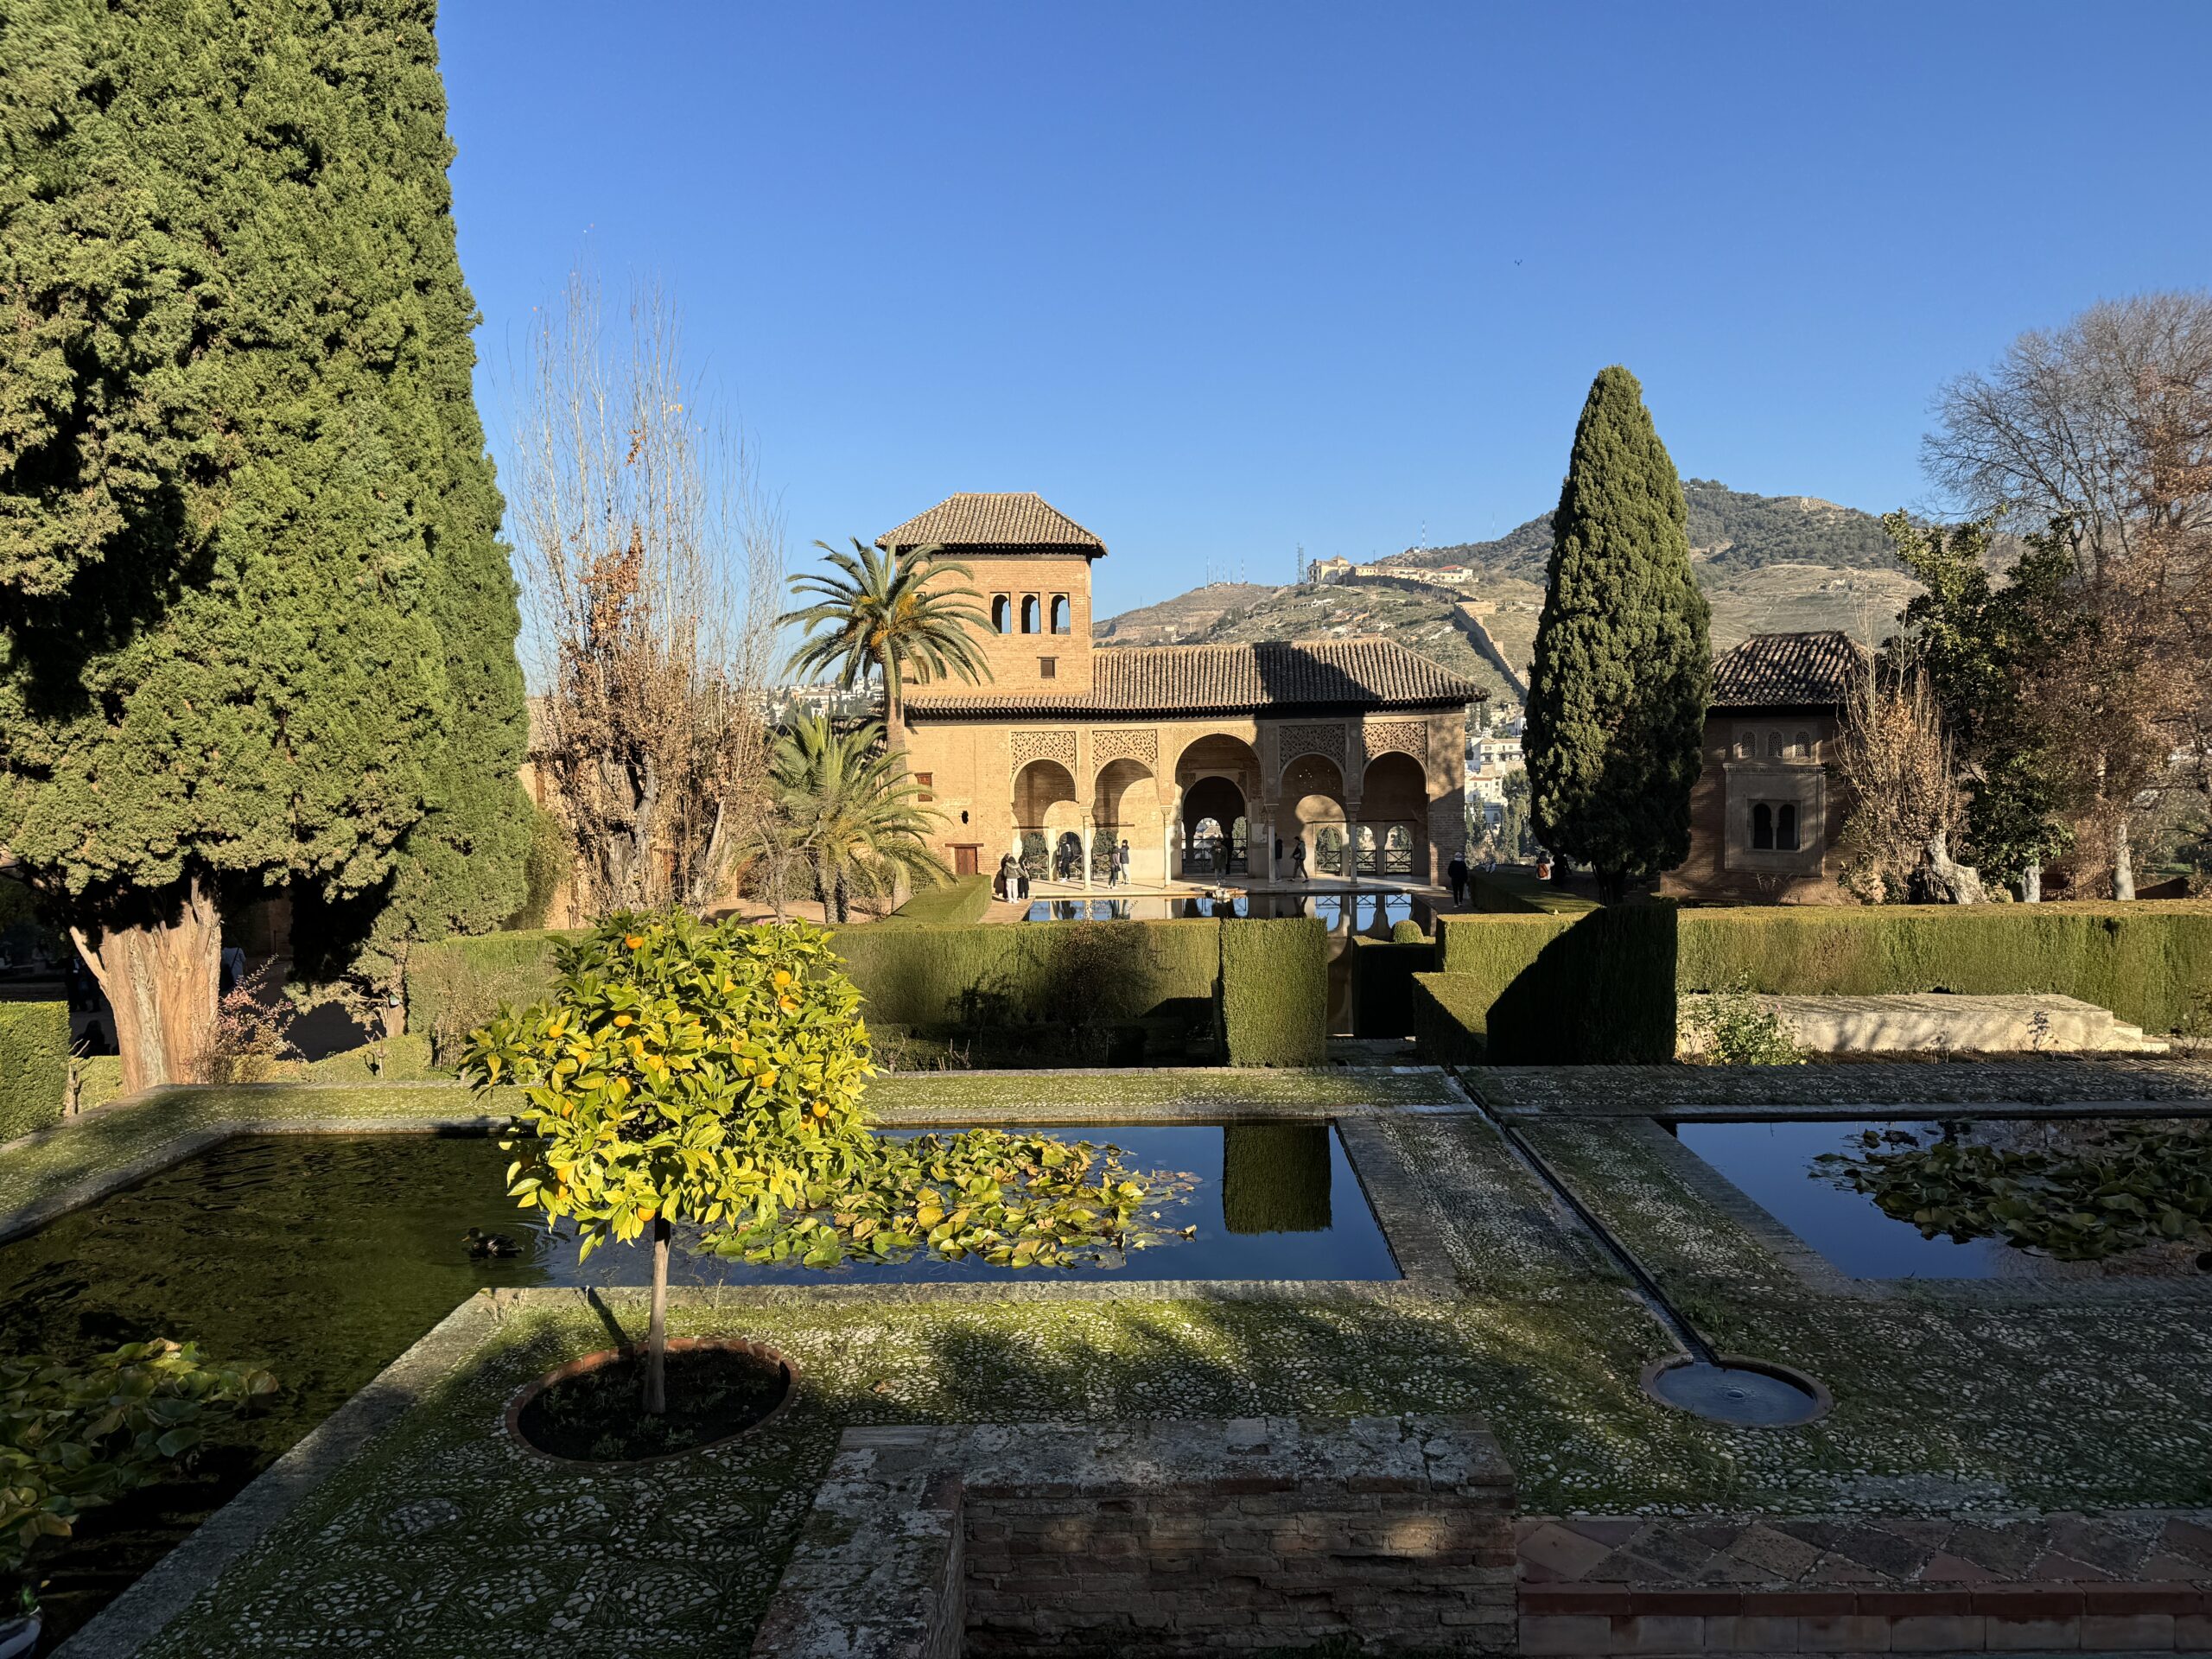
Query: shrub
[[1733, 1027], [1407, 932], [1274, 990], [34, 1065], [77, 1434], [1517, 893], [248, 1044]]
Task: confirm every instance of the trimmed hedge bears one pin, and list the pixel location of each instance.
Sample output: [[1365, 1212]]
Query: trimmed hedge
[[1259, 986], [931, 977], [34, 1065], [1517, 893], [455, 986], [1527, 989], [1274, 989], [2149, 962], [1450, 1018], [965, 899], [1382, 984]]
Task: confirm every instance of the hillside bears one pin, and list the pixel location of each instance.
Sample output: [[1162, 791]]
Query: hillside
[[1768, 564], [1731, 531]]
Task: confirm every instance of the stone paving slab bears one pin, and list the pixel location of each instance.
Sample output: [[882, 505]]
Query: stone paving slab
[[2000, 1088]]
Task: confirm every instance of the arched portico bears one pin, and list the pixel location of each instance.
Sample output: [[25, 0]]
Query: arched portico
[[1314, 811], [1125, 806], [1394, 818], [1044, 809], [1218, 778]]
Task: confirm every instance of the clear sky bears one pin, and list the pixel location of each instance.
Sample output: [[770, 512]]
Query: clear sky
[[1219, 279]]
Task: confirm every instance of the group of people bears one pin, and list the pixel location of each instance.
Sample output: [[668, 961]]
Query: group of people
[[1012, 881]]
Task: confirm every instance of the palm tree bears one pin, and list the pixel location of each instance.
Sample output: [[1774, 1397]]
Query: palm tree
[[847, 809], [883, 613]]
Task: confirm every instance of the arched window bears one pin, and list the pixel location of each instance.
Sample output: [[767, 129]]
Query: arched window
[[1762, 827], [1747, 745], [1001, 614], [1785, 827], [1060, 613], [1773, 746], [1029, 614], [1804, 748], [1398, 851]]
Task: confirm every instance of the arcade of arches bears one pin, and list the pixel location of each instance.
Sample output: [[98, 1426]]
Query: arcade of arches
[[1354, 796]]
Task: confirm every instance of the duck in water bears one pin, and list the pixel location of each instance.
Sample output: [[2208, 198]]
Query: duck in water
[[482, 1245]]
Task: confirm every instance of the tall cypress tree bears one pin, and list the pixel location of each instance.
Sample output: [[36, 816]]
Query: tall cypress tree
[[255, 631], [1617, 696]]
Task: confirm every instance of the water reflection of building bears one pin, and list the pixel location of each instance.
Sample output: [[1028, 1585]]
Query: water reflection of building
[[1201, 758]]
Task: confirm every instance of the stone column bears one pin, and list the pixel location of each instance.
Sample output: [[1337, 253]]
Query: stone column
[[1087, 832], [1171, 838], [1351, 841]]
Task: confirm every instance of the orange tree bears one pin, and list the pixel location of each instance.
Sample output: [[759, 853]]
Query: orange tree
[[709, 1077]]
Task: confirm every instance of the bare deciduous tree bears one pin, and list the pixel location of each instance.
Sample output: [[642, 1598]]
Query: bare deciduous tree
[[651, 559], [2100, 432], [1897, 771]]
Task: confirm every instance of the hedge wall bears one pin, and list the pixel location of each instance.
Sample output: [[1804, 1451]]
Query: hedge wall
[[1382, 984], [1552, 989], [2149, 962], [34, 1065], [1450, 1018], [1274, 989], [1259, 986], [1517, 893], [964, 899]]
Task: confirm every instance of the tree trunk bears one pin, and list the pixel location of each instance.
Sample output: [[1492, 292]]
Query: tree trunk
[[1942, 879], [657, 1325], [162, 970], [2123, 861]]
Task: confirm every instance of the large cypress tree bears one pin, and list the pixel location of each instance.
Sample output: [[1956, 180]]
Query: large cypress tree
[[255, 630], [1618, 694]]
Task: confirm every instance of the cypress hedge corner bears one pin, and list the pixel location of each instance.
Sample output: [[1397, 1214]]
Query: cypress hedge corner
[[1382, 984], [1274, 990], [34, 1065]]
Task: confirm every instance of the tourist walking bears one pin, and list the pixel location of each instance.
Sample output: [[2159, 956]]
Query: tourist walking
[[1298, 859], [1003, 884], [1121, 864], [1456, 874]]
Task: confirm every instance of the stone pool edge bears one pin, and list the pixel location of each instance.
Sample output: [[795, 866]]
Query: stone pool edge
[[147, 1607]]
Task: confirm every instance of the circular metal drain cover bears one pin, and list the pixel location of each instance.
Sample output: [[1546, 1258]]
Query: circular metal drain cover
[[1734, 1390]]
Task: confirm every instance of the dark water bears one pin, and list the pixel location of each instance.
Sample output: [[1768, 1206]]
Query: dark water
[[1772, 1164], [1373, 913], [323, 1257]]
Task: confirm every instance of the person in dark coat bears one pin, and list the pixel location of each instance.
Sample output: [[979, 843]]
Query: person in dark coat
[[1455, 873]]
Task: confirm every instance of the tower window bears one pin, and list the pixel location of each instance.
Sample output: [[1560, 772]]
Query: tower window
[[1001, 614], [1785, 827], [1029, 624], [1762, 827], [1048, 668], [1060, 613]]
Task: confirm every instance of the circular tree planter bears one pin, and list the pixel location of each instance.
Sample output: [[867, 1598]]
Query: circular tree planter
[[1750, 1393], [719, 1389]]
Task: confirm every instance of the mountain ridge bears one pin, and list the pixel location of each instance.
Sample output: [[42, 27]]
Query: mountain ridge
[[1767, 564]]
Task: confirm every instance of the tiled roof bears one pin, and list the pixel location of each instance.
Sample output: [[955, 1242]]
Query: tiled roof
[[1018, 518], [1223, 679], [1788, 670]]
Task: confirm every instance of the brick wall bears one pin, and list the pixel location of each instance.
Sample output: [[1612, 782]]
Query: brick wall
[[1152, 1537]]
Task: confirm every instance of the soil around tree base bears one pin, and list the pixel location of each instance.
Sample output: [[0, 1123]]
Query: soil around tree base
[[592, 1409]]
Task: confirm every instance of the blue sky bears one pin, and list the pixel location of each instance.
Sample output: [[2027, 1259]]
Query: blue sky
[[1220, 279]]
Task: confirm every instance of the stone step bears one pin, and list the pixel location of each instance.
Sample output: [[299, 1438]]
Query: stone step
[[1935, 1021]]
